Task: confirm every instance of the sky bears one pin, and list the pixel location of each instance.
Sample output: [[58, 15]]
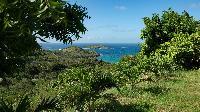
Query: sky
[[120, 21]]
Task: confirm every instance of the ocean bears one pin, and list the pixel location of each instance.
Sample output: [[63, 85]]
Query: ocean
[[112, 54]]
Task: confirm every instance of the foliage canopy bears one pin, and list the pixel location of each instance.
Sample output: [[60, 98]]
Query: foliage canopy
[[21, 22], [160, 29]]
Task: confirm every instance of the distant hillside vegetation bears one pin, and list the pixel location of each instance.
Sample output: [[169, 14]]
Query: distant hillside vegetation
[[50, 62]]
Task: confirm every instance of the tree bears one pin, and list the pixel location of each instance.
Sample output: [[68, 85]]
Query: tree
[[161, 29], [22, 21], [171, 41]]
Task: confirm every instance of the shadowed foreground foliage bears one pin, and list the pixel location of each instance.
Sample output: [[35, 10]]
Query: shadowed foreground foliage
[[24, 21], [24, 105]]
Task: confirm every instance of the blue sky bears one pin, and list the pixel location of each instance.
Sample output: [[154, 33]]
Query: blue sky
[[120, 21]]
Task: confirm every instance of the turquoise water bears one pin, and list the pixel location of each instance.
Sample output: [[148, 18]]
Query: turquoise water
[[113, 54]]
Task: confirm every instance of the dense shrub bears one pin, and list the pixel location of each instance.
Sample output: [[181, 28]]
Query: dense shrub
[[80, 87], [171, 42], [127, 71], [136, 67], [160, 29], [183, 50]]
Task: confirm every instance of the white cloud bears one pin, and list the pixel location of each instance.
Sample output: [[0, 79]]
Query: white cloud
[[107, 26], [122, 30], [195, 5], [121, 7]]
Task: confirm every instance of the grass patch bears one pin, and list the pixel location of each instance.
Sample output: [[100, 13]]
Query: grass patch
[[179, 92]]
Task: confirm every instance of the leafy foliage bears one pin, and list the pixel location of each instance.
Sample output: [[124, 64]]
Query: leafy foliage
[[126, 70], [171, 43], [24, 105], [21, 22], [80, 87], [161, 29], [47, 104], [50, 63], [183, 50]]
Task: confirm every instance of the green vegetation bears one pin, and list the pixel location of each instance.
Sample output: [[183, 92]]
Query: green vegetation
[[161, 29], [82, 86], [24, 105], [22, 22], [178, 92], [164, 76], [50, 63]]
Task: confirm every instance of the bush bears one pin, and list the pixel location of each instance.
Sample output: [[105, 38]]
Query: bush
[[172, 42], [160, 29], [183, 50], [80, 87]]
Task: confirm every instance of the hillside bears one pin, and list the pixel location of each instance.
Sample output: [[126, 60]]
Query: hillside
[[51, 62]]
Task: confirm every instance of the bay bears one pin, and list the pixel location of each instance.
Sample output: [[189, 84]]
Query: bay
[[112, 54]]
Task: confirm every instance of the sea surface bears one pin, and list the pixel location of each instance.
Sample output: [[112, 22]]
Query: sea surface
[[113, 54]]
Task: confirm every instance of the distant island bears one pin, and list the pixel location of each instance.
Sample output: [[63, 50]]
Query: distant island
[[74, 51], [97, 46]]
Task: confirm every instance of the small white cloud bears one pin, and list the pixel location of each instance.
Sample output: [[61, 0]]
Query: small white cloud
[[107, 26], [122, 30], [195, 5], [121, 7]]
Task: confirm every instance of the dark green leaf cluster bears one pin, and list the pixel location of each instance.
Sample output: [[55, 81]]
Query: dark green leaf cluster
[[23, 21], [24, 105]]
